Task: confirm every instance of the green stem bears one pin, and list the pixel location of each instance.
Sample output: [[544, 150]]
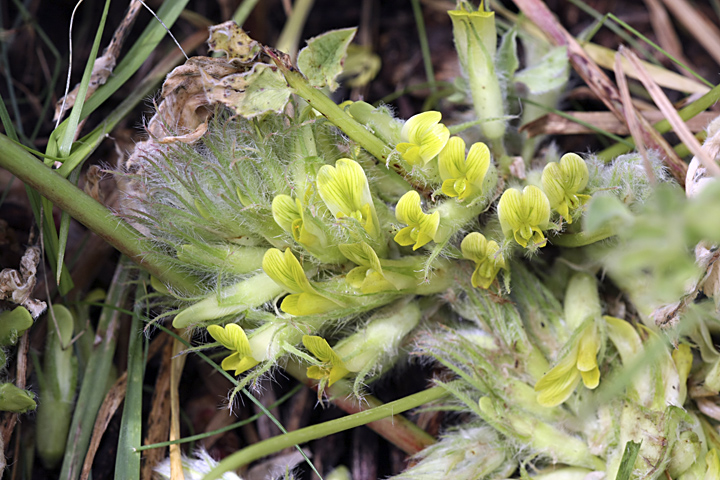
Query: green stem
[[244, 11], [424, 45], [275, 444], [336, 115], [290, 35], [90, 213], [573, 240], [663, 126]]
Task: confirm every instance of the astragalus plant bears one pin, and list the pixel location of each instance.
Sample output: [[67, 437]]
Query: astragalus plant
[[560, 294]]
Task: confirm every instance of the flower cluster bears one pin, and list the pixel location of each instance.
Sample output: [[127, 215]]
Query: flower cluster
[[325, 251]]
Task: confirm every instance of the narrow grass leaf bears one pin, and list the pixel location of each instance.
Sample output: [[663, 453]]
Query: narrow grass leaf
[[627, 463], [66, 140], [127, 461]]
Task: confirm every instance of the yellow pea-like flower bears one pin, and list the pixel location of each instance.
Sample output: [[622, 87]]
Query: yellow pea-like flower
[[421, 227], [562, 183], [462, 176], [524, 215], [485, 254], [422, 138], [233, 337]]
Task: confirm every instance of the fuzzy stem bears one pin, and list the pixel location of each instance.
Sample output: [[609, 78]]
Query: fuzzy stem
[[336, 115], [90, 213], [573, 240], [275, 444]]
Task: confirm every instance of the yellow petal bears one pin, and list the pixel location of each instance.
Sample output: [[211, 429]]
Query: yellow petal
[[451, 161], [591, 378]]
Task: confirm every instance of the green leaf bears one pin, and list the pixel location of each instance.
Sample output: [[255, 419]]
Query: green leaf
[[14, 399], [66, 141], [262, 89], [552, 72], [507, 61], [12, 324], [322, 60], [627, 464], [605, 210]]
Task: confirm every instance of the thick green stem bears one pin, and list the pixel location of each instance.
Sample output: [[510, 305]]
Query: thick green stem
[[337, 116], [90, 213], [275, 444]]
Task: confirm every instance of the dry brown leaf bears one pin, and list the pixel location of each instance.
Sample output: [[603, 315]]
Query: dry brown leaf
[[605, 57], [104, 65], [697, 25], [631, 117], [158, 418], [671, 114], [113, 400], [17, 286], [554, 124], [176, 367], [666, 35], [540, 14]]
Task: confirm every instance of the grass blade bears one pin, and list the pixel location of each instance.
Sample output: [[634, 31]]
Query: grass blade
[[66, 140], [127, 461], [92, 391]]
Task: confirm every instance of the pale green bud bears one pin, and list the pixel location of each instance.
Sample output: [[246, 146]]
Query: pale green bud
[[524, 215], [563, 182], [476, 42], [369, 276], [422, 138]]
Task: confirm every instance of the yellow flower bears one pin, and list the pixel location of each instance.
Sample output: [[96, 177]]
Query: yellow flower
[[287, 272], [289, 214], [369, 276], [422, 138], [345, 191], [562, 183], [463, 177], [233, 337], [559, 383], [524, 215], [332, 368], [421, 227], [488, 261]]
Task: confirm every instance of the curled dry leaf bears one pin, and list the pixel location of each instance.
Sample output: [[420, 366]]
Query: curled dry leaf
[[104, 65], [17, 286]]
